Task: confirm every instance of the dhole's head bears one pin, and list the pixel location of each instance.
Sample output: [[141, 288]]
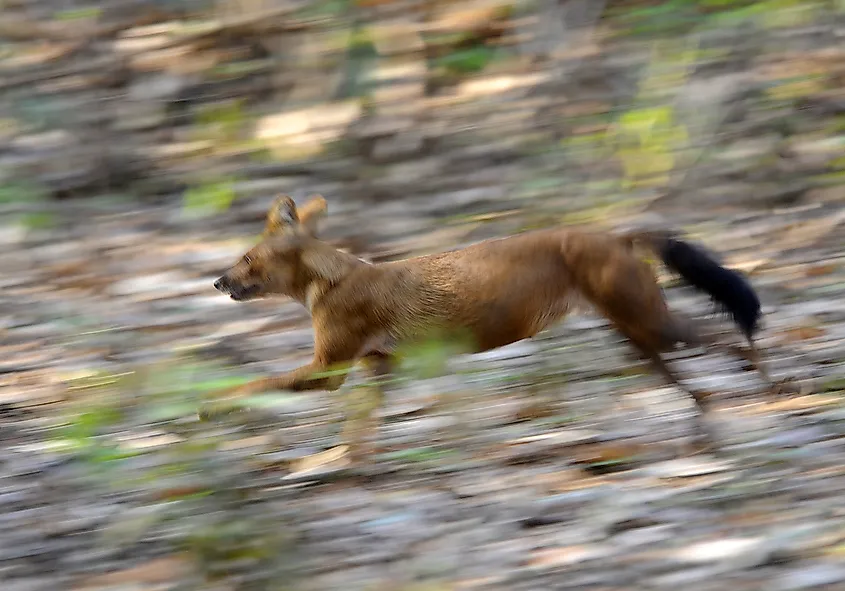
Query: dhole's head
[[275, 265]]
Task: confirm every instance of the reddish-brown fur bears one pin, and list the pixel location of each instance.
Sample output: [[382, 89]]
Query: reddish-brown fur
[[496, 292]]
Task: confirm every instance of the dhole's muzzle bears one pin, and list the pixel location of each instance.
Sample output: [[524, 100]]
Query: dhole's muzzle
[[236, 290]]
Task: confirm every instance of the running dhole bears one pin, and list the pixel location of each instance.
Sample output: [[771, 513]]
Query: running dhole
[[497, 292]]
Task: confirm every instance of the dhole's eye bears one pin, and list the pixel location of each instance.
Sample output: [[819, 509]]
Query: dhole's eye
[[248, 259]]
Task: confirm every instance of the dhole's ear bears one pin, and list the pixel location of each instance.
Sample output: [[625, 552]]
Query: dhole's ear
[[312, 212], [282, 214]]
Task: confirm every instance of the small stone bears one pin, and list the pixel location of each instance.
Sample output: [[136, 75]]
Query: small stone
[[409, 430], [156, 87], [687, 468], [734, 553], [567, 556], [397, 38], [818, 153], [817, 576], [399, 147], [48, 140], [797, 437], [685, 577]]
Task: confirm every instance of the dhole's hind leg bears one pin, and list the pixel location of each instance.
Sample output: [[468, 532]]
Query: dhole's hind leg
[[753, 356], [702, 432], [750, 354], [778, 387]]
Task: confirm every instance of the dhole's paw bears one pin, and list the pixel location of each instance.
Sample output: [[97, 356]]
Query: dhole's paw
[[700, 445], [247, 389], [225, 401], [705, 436], [210, 411], [787, 387], [706, 444]]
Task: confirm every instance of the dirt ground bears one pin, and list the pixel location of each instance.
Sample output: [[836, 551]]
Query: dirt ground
[[140, 145], [558, 462]]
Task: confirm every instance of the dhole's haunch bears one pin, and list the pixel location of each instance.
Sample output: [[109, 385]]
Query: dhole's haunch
[[496, 292]]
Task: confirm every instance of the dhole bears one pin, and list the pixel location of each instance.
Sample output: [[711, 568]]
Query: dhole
[[497, 291]]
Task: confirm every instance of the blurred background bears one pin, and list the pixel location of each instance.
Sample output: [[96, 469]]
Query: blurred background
[[141, 142]]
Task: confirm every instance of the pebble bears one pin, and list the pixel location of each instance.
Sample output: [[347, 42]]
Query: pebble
[[814, 576]]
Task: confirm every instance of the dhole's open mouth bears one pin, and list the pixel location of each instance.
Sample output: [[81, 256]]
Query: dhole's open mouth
[[236, 292], [245, 293]]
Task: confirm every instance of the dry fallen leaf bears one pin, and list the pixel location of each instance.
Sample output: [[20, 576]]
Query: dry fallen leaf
[[820, 270], [158, 571], [801, 333], [809, 402], [558, 556], [321, 459]]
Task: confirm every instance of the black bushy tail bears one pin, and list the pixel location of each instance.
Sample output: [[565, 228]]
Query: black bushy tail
[[727, 288]]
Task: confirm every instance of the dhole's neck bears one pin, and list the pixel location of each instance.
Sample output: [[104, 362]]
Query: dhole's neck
[[313, 293], [325, 267]]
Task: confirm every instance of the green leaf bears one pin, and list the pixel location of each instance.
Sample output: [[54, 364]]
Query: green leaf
[[38, 221], [78, 13], [325, 9], [21, 192], [467, 61], [417, 454], [215, 196]]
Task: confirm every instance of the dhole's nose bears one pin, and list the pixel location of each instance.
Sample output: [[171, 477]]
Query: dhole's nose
[[218, 285]]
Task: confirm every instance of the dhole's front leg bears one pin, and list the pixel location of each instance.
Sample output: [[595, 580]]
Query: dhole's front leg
[[359, 420], [308, 377], [334, 355]]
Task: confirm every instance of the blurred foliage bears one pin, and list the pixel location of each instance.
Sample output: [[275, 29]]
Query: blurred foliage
[[655, 135], [32, 198], [429, 357], [263, 69], [188, 489], [466, 61], [648, 136], [19, 191], [678, 16], [361, 57], [84, 12], [38, 113], [326, 8], [224, 123], [209, 197]]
